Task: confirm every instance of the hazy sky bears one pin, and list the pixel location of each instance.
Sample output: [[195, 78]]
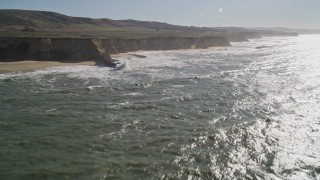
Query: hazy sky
[[213, 13]]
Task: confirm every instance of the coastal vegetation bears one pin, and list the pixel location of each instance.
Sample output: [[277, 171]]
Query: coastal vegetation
[[50, 36], [49, 24], [43, 24]]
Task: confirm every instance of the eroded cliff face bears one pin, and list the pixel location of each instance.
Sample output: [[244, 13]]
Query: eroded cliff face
[[236, 37], [55, 49], [116, 46], [246, 36], [98, 50], [251, 35], [274, 33]]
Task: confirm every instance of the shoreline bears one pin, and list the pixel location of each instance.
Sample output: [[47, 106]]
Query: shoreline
[[31, 65]]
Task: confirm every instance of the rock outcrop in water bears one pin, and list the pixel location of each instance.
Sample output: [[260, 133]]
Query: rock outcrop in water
[[99, 50]]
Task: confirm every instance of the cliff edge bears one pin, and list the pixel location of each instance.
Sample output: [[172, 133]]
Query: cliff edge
[[98, 50], [54, 49]]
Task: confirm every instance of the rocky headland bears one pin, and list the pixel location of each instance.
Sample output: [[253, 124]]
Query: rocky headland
[[41, 36], [99, 50]]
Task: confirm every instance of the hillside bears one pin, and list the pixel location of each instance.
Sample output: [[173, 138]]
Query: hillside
[[41, 24], [52, 24], [45, 19]]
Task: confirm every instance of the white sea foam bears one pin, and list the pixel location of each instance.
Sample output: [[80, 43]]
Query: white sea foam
[[288, 142], [134, 94], [282, 81], [91, 88], [153, 64]]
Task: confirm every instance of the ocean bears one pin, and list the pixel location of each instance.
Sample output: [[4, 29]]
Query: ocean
[[250, 111]]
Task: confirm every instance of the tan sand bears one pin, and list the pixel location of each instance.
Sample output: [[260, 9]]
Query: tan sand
[[27, 66]]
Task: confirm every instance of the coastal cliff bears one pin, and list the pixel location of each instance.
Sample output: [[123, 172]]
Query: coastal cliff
[[122, 45], [242, 36], [99, 50], [237, 37], [251, 35], [54, 49], [246, 36], [277, 33]]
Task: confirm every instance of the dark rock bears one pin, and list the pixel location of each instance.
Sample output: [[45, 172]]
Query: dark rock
[[261, 47], [138, 55], [98, 50]]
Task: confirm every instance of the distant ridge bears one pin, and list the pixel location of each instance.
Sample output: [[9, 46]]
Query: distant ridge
[[40, 24], [46, 20]]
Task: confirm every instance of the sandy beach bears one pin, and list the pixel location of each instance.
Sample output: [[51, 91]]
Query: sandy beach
[[27, 66], [31, 65]]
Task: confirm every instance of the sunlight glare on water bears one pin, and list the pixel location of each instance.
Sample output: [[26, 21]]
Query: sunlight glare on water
[[220, 113]]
